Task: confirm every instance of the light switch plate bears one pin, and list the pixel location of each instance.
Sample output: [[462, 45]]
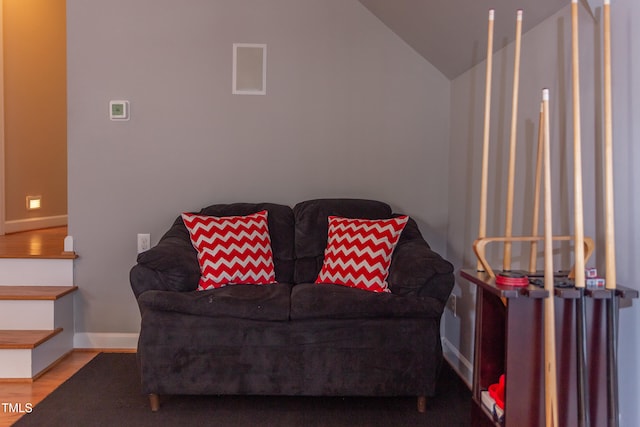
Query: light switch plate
[[119, 110]]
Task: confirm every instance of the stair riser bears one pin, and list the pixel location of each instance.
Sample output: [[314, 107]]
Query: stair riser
[[36, 271], [27, 363], [37, 315]]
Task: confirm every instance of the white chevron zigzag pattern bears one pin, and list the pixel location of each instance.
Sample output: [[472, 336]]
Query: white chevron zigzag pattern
[[232, 250], [359, 251]]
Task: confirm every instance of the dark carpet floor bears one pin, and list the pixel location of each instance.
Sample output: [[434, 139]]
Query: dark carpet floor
[[106, 392]]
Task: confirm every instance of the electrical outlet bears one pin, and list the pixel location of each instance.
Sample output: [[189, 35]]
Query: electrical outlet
[[451, 305], [144, 242]]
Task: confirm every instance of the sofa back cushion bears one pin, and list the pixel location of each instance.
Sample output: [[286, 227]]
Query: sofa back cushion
[[281, 229], [232, 250], [312, 228], [358, 253]]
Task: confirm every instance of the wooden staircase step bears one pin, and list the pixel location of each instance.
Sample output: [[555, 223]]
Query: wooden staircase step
[[45, 243], [29, 339], [61, 255], [36, 301], [36, 271], [47, 293]]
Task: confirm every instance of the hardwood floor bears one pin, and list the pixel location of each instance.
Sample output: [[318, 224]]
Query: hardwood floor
[[44, 243], [20, 395]]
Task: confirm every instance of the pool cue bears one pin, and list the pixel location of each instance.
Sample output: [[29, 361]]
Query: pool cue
[[579, 279], [550, 374], [485, 137], [610, 256], [536, 194], [506, 264]]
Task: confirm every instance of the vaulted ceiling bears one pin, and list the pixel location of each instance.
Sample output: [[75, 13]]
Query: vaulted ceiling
[[452, 34]]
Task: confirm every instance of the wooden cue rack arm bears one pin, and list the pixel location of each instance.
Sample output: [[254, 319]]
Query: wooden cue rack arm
[[479, 248], [509, 340]]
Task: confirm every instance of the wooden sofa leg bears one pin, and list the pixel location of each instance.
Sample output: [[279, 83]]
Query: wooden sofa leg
[[422, 404], [154, 400]]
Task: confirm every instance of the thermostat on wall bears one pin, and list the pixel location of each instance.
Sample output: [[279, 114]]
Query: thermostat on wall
[[119, 110]]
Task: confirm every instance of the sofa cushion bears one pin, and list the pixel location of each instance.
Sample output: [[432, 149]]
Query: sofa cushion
[[310, 301], [311, 229], [358, 252], [231, 250], [254, 302]]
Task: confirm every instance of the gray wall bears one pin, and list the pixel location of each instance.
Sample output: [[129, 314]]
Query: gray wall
[[546, 62], [350, 111]]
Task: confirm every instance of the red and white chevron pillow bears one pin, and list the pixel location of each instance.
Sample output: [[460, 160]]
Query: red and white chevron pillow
[[358, 252], [232, 249]]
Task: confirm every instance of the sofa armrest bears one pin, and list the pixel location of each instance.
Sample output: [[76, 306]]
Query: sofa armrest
[[171, 265], [144, 279], [418, 270]]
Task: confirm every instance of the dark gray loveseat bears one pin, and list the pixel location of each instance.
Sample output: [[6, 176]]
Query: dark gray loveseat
[[293, 337]]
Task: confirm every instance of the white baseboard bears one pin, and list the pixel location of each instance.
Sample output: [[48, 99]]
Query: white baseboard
[[18, 225], [458, 362], [100, 340]]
